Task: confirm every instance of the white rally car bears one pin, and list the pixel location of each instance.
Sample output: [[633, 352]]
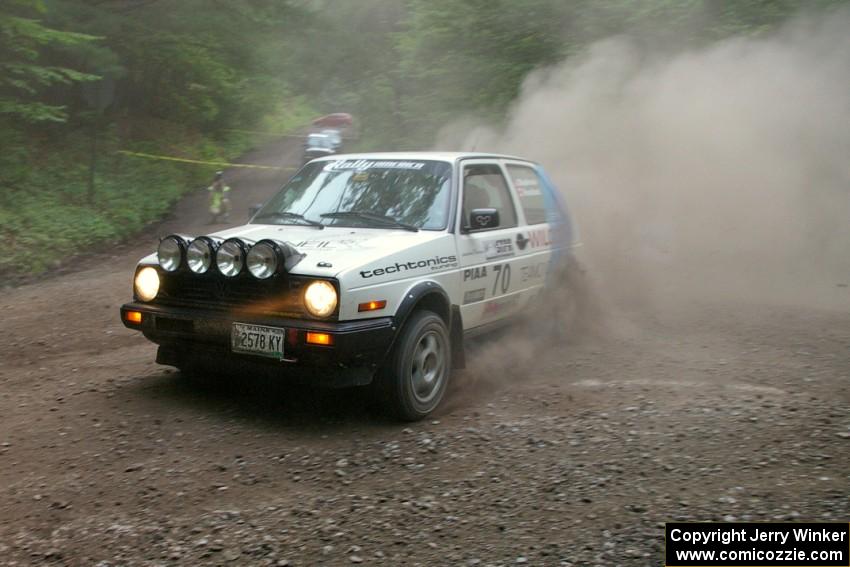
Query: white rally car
[[363, 269]]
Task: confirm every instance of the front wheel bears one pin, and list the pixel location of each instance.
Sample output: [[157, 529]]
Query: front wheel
[[415, 379]]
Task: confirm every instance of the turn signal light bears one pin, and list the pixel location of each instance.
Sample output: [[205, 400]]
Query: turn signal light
[[372, 305], [133, 317], [319, 338]]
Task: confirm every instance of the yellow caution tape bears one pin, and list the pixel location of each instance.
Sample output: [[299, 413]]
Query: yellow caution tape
[[285, 135], [281, 134], [202, 162]]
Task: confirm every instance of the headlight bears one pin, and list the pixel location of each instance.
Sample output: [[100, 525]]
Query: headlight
[[171, 252], [263, 259], [230, 257], [199, 255], [146, 284], [320, 298]]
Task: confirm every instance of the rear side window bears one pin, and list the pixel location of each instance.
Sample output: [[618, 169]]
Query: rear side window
[[530, 191]]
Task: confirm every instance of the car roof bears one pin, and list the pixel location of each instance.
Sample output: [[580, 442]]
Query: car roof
[[439, 156]]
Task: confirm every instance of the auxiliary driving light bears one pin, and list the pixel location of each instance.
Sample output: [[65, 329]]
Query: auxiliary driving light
[[263, 259], [230, 257], [147, 283], [200, 254], [171, 251], [320, 298]]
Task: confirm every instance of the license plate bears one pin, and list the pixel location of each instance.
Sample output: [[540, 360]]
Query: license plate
[[257, 340]]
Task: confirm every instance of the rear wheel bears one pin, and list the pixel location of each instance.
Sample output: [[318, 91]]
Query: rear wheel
[[415, 379]]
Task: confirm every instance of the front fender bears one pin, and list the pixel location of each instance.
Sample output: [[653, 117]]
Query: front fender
[[433, 297], [418, 292]]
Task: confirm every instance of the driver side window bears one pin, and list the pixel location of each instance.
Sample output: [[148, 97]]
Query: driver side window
[[484, 187]]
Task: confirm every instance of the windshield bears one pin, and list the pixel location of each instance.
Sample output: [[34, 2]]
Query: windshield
[[411, 193]]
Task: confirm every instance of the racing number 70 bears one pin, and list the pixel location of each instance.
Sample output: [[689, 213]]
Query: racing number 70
[[503, 278]]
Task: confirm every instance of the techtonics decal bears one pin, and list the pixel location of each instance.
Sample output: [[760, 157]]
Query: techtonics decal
[[435, 263]]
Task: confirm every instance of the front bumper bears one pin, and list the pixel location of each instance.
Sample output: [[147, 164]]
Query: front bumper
[[201, 338]]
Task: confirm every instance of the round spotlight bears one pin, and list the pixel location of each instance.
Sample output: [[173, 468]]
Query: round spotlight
[[320, 298], [200, 254], [171, 251], [146, 283], [263, 259], [230, 257]]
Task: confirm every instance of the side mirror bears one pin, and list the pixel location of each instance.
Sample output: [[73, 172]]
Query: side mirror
[[253, 210], [483, 219]]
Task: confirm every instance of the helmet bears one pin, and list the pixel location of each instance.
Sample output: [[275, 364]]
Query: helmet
[[219, 175]]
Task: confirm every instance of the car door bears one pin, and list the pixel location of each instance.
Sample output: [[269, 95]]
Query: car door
[[539, 241], [489, 282]]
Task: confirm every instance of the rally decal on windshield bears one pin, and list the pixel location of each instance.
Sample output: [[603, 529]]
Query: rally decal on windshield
[[364, 164]]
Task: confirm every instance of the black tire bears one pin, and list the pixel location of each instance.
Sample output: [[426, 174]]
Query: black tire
[[415, 378]]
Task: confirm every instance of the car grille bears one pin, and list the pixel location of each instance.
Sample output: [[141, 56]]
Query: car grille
[[278, 295]]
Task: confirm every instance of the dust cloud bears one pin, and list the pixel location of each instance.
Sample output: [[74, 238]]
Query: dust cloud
[[713, 172]]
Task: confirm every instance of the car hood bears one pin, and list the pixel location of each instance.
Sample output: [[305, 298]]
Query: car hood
[[343, 248]]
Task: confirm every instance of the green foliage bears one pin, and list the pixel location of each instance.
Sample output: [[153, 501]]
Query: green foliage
[[23, 76], [173, 77], [198, 78], [469, 57]]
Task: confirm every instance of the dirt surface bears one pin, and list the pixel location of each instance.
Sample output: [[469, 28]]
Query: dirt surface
[[573, 455]]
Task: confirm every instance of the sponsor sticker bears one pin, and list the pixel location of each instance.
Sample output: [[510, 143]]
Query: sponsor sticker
[[533, 272], [540, 238], [327, 244], [475, 273], [434, 264], [527, 186], [500, 248], [364, 164], [474, 295], [521, 241], [499, 306]]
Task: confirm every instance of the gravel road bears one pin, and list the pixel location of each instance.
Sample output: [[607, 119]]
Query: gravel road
[[576, 455]]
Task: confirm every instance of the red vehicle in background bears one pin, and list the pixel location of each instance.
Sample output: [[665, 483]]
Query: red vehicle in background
[[335, 120]]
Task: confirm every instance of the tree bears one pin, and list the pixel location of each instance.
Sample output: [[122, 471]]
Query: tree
[[24, 76]]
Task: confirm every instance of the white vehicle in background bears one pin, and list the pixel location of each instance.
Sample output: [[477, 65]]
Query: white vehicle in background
[[335, 137], [364, 269], [318, 145]]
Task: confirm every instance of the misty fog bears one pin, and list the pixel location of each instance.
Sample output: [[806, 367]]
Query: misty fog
[[706, 172]]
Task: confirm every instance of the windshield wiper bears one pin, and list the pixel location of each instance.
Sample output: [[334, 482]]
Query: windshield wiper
[[288, 215], [365, 215]]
